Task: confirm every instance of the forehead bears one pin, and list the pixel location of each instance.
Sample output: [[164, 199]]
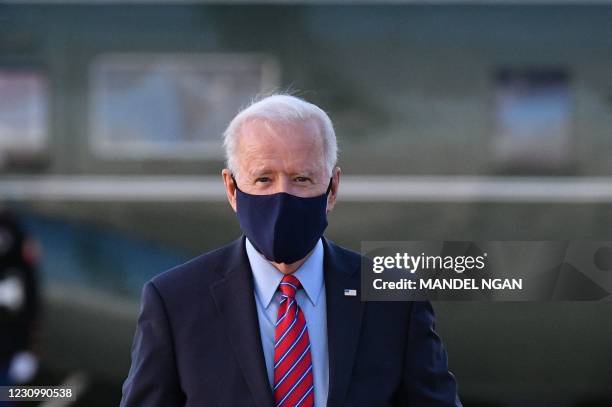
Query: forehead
[[281, 146]]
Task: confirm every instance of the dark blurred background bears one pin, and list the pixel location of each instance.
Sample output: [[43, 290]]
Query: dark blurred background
[[471, 120]]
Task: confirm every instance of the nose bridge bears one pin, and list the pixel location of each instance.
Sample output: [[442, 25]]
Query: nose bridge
[[284, 183]]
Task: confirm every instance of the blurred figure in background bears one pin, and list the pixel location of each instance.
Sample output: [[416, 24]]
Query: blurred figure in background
[[19, 303]]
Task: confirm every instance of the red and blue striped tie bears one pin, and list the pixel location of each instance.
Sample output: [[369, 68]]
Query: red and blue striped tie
[[293, 383]]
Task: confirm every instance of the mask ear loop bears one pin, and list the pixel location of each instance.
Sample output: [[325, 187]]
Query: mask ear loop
[[329, 186], [235, 183]]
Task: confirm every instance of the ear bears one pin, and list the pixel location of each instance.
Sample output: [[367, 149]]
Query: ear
[[230, 187], [333, 192]]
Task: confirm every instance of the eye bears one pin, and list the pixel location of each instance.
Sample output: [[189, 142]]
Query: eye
[[262, 180], [302, 180]]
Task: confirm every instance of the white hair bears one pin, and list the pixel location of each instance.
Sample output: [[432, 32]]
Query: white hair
[[284, 109]]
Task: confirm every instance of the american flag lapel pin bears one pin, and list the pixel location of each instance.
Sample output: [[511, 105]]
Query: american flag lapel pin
[[350, 293]]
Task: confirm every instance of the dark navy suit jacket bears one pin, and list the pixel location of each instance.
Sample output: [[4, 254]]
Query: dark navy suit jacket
[[197, 341]]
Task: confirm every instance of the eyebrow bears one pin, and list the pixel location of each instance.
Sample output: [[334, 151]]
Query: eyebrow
[[307, 173], [260, 172], [267, 171]]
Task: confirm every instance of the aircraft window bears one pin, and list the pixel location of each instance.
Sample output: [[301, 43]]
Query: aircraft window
[[23, 111], [533, 120], [168, 105]]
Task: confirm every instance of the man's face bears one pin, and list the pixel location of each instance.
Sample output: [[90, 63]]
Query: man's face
[[281, 157]]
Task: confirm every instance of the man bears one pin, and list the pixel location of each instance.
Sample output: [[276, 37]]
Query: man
[[265, 321]]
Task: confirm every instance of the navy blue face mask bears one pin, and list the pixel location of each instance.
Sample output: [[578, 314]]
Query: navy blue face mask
[[282, 227]]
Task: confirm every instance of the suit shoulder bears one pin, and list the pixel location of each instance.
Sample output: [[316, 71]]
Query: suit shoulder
[[345, 255], [202, 270]]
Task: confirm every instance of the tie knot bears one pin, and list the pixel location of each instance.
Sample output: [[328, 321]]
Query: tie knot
[[289, 286]]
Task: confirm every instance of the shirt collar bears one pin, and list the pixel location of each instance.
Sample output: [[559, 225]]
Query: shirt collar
[[267, 277]]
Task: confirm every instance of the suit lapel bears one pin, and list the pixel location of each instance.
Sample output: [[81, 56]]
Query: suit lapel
[[235, 301], [343, 319]]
